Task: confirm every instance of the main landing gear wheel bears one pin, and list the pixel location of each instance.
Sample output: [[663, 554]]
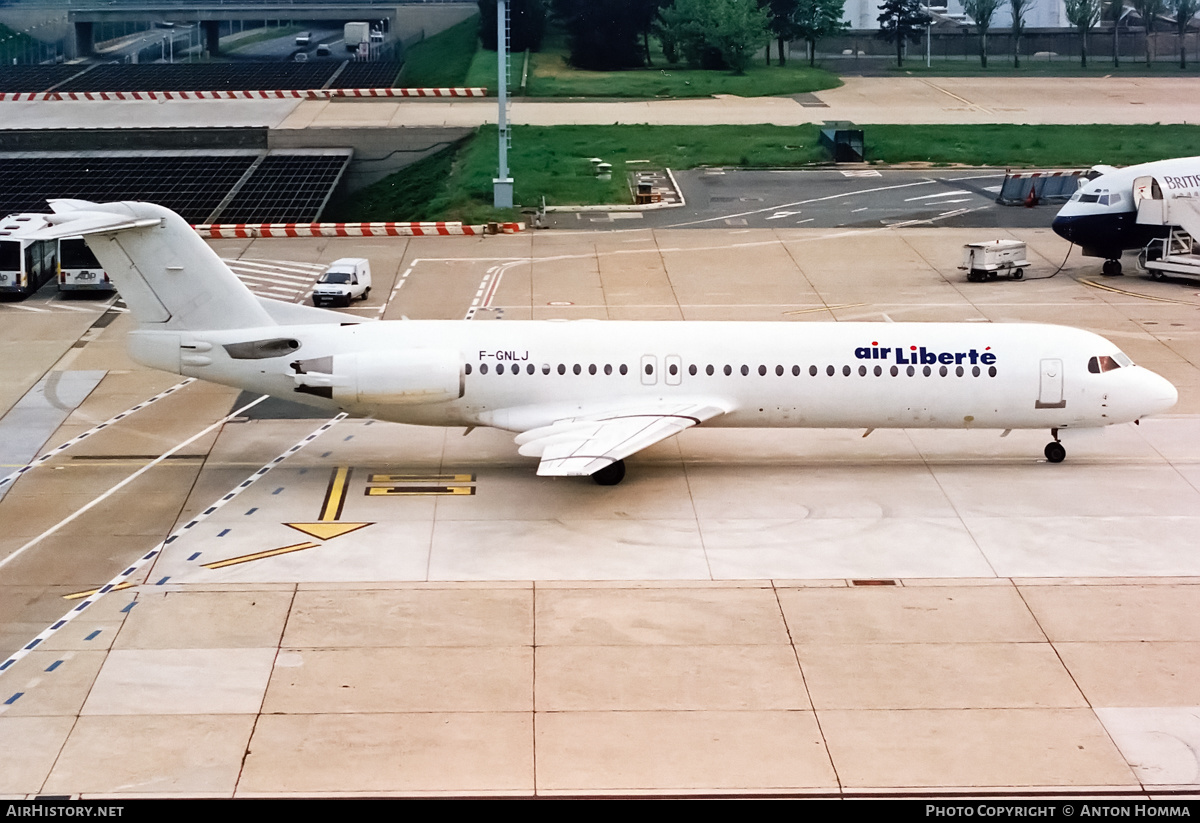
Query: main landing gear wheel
[[1055, 452], [1112, 268], [610, 475]]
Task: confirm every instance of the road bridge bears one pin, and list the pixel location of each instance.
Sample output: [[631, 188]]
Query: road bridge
[[404, 18]]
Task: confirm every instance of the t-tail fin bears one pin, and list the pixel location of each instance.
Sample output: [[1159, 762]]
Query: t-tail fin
[[166, 273]]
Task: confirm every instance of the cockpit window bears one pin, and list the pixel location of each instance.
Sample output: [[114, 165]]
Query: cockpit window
[[1089, 198], [1105, 362]]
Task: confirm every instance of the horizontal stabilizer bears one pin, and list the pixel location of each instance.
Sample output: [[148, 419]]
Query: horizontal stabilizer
[[70, 224], [168, 276]]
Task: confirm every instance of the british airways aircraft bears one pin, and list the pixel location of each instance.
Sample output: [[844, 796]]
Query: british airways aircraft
[[584, 395], [1101, 217]]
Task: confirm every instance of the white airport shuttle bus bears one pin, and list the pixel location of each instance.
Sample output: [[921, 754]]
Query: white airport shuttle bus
[[78, 268], [26, 265], [583, 395], [1102, 216]]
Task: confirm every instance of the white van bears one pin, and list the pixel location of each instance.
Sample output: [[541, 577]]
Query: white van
[[304, 38], [344, 280]]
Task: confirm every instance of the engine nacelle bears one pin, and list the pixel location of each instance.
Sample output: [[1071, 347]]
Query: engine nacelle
[[403, 378]]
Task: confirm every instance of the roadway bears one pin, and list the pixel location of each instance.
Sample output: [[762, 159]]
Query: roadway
[[799, 612], [846, 197]]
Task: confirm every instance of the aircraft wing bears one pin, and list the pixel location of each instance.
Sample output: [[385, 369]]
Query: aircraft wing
[[583, 445]]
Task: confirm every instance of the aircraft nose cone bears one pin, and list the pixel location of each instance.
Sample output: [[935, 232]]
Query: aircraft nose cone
[[1162, 395], [1064, 227]]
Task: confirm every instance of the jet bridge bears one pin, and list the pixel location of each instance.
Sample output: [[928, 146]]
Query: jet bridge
[[1178, 253]]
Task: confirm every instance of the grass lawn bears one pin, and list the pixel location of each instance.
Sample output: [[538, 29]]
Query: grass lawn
[[553, 161], [443, 61], [550, 76]]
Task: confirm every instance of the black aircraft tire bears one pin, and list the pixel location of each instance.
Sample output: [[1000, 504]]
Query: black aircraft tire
[[1055, 452], [610, 475]]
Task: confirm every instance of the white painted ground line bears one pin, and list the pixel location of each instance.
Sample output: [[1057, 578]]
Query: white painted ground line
[[125, 574]]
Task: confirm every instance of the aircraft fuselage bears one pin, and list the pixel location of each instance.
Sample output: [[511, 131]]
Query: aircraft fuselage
[[522, 375]]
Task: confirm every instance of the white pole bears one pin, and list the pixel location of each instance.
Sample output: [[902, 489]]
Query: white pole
[[502, 186]]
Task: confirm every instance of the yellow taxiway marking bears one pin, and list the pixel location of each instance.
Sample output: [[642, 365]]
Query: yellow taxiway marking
[[335, 495], [327, 531], [90, 592], [416, 491], [331, 509], [246, 558], [421, 478], [825, 308], [1115, 290], [410, 485]]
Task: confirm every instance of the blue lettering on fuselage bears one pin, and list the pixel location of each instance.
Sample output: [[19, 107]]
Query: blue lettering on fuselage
[[1183, 181], [920, 355]]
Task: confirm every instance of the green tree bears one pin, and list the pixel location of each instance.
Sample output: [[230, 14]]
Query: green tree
[[901, 21], [601, 34], [717, 33], [817, 19], [1116, 10], [1148, 10], [982, 12], [526, 20], [1019, 9], [1083, 15], [1184, 11], [782, 24]]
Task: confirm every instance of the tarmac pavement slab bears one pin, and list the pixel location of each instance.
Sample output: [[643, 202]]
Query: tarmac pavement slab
[[901, 614], [1160, 743], [1150, 674], [345, 680], [152, 755], [1100, 613], [680, 751], [425, 753], [412, 617], [975, 748], [937, 676]]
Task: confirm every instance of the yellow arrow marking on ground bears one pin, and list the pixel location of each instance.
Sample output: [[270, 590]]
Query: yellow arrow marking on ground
[[331, 509]]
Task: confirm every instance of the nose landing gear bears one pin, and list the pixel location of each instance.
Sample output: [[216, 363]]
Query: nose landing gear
[[1112, 268], [1055, 452]]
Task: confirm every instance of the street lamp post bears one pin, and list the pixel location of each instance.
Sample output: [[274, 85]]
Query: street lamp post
[[502, 185]]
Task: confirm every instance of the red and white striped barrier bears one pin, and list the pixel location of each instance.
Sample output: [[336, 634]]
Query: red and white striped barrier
[[220, 230], [274, 94], [1017, 175]]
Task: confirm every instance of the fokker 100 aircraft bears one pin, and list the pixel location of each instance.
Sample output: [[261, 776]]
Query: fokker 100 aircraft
[[584, 395], [1102, 216]]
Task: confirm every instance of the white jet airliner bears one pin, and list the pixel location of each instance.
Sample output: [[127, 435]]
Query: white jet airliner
[[584, 395], [1101, 217]]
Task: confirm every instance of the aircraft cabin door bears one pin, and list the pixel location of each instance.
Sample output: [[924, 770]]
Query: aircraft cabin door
[[649, 370], [674, 366], [1050, 390], [1146, 188]]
